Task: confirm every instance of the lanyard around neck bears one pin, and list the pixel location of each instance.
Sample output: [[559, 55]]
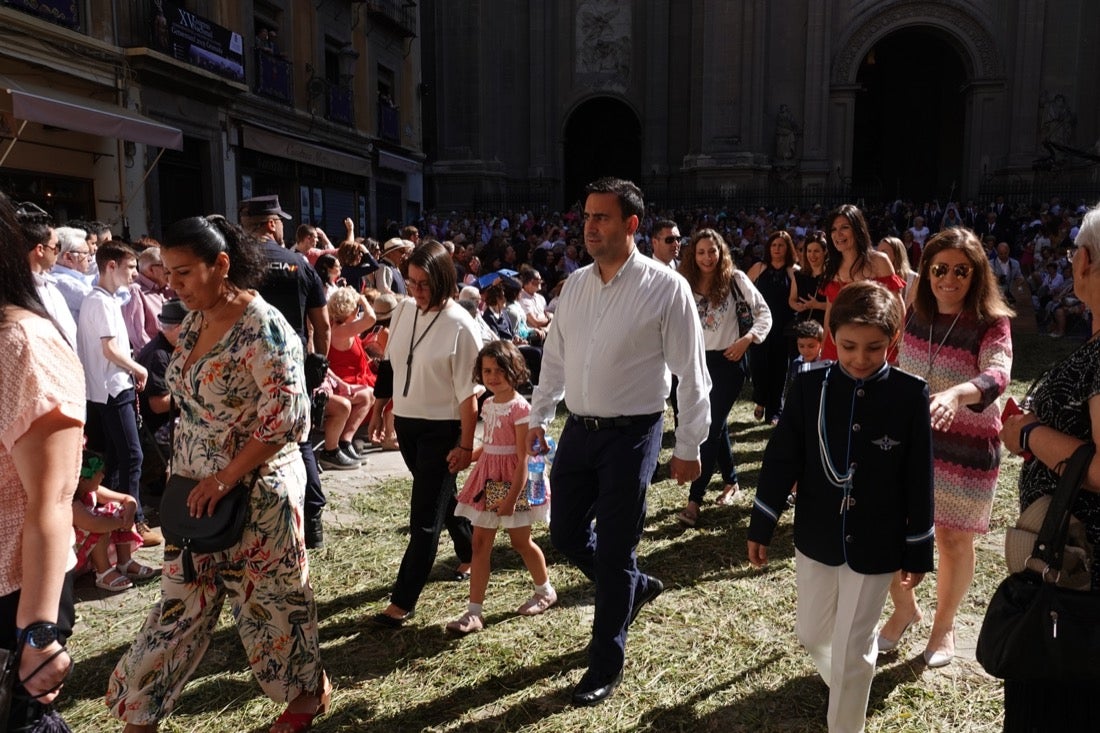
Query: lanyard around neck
[[415, 342]]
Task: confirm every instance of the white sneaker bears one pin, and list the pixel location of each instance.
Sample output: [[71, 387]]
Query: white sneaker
[[537, 603]]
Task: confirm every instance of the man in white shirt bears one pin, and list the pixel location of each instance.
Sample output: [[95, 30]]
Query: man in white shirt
[[621, 325], [112, 376], [41, 256], [69, 270], [666, 243], [533, 305]]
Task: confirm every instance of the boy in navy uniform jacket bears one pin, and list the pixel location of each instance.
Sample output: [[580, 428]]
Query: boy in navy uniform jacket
[[857, 440]]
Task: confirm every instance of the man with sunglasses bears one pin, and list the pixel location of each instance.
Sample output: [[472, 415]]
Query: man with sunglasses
[[42, 251], [666, 243]]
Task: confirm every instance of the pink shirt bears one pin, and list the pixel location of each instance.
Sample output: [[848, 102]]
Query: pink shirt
[[39, 372]]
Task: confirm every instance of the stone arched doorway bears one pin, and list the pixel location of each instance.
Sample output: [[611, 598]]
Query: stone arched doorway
[[909, 118], [970, 90], [603, 137]]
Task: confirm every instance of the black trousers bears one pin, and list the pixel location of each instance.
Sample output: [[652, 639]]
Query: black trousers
[[599, 481], [424, 446]]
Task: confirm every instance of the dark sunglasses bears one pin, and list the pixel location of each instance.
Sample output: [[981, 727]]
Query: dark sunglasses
[[672, 240], [941, 269]]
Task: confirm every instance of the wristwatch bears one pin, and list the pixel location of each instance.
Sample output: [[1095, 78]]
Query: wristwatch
[[38, 635]]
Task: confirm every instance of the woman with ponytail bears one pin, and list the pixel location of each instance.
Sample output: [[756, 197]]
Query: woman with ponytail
[[236, 376]]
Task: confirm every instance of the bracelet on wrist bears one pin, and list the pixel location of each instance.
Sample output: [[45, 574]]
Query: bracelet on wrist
[[1025, 436], [222, 486]]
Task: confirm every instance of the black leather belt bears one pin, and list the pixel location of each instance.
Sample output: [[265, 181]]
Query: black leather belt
[[593, 424]]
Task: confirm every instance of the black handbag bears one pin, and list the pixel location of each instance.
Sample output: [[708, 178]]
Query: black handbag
[[9, 661], [214, 533], [1033, 629], [743, 310]]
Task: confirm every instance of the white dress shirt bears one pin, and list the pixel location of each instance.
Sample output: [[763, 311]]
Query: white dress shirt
[[610, 349], [54, 301]]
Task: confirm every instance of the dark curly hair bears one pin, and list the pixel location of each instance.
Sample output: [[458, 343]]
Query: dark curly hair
[[508, 358]]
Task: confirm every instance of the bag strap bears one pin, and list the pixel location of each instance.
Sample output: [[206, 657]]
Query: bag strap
[[1050, 545]]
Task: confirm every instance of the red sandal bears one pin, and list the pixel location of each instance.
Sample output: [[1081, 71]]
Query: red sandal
[[290, 722]]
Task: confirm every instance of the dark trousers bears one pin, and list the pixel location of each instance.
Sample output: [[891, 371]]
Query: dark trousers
[[24, 710], [602, 476], [424, 446], [727, 377], [315, 497], [122, 465], [768, 362]]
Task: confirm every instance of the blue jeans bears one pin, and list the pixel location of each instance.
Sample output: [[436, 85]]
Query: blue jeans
[[122, 466], [727, 377]]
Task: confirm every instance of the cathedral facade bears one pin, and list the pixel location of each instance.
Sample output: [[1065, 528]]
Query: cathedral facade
[[524, 102]]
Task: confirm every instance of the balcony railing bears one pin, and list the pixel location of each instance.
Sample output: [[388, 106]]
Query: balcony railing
[[274, 77], [341, 105], [389, 123], [400, 15]]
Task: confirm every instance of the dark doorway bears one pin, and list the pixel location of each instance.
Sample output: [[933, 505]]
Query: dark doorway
[[909, 118], [183, 192], [603, 137]]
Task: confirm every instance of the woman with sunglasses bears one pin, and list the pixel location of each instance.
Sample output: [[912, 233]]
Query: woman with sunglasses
[[959, 339]]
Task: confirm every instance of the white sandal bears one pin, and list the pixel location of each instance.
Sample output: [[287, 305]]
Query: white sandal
[[120, 582], [143, 572]]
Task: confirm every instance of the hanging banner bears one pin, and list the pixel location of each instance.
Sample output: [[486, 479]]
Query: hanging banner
[[191, 38]]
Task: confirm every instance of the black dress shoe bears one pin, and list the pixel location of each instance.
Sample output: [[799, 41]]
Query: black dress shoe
[[588, 692], [653, 588]]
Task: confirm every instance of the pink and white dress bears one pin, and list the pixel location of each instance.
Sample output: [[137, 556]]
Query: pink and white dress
[[498, 463]]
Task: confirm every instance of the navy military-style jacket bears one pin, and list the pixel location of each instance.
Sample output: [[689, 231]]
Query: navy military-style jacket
[[880, 521]]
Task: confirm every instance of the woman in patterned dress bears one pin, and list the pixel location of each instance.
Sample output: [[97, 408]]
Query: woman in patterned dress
[[958, 337], [1064, 413], [236, 377]]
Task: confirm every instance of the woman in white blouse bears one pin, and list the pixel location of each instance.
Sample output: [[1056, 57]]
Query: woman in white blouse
[[433, 346], [719, 288]]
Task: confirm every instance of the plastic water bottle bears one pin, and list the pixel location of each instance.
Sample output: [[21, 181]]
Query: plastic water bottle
[[536, 474]]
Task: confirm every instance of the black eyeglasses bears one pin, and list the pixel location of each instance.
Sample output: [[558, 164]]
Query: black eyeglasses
[[941, 269]]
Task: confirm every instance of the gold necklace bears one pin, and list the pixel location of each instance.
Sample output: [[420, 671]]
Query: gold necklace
[[228, 300]]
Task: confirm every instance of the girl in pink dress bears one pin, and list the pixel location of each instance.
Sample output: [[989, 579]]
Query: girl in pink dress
[[103, 521], [502, 458]]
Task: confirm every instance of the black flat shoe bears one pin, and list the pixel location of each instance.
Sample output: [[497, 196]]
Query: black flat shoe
[[460, 575], [588, 693], [390, 622], [653, 588]]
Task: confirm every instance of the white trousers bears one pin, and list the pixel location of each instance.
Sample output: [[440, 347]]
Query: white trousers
[[838, 610]]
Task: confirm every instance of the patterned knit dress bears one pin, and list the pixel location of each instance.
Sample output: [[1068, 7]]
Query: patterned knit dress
[[967, 457]]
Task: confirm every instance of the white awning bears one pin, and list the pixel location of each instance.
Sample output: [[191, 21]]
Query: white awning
[[91, 116]]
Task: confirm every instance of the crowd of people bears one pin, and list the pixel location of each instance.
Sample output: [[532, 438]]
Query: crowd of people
[[231, 355]]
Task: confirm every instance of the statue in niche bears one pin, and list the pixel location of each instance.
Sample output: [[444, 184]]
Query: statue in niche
[[787, 132], [1058, 120], [603, 38]]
